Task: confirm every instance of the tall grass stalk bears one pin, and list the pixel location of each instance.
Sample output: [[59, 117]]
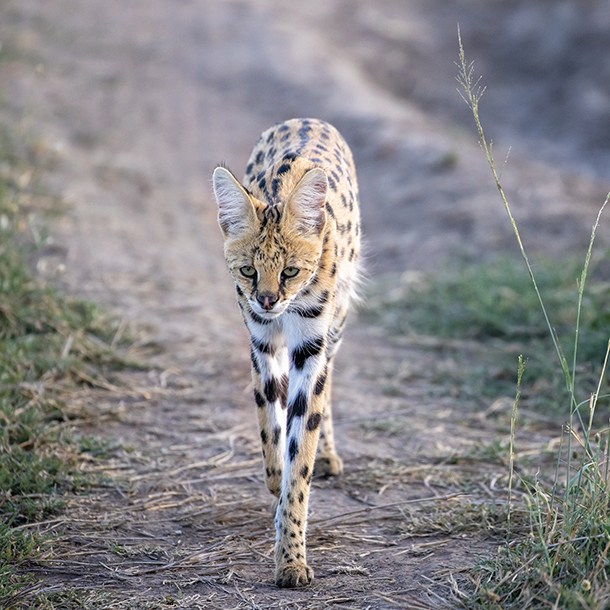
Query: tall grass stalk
[[581, 288], [566, 559], [472, 95], [511, 462]]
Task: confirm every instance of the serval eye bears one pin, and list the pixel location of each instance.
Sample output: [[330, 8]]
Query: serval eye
[[290, 271], [248, 271]]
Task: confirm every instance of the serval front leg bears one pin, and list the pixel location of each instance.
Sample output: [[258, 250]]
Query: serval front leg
[[269, 357], [305, 409]]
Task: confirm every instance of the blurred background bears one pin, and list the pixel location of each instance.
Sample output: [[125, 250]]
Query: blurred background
[[138, 101], [130, 106]]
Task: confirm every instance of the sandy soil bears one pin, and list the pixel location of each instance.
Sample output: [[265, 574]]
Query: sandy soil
[[135, 104]]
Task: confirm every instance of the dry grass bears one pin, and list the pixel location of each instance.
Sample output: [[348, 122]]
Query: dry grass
[[147, 525]]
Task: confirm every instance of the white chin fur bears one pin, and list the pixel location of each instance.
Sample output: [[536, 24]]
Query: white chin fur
[[278, 310]]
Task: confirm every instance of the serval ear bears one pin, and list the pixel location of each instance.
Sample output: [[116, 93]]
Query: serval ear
[[236, 212], [304, 210]]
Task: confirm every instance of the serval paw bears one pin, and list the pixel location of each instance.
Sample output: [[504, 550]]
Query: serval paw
[[328, 466], [293, 575]]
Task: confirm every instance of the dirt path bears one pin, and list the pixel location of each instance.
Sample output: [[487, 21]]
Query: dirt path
[[136, 103]]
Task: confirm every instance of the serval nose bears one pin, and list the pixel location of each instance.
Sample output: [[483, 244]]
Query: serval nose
[[267, 300]]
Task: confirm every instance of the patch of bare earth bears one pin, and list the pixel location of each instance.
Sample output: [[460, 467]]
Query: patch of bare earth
[[135, 103]]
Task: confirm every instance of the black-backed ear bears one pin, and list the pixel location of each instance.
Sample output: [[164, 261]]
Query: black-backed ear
[[235, 209], [304, 209]]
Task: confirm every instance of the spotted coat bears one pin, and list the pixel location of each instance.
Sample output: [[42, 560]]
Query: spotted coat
[[292, 244]]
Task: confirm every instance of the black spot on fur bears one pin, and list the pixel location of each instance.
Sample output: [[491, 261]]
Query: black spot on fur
[[283, 390], [254, 361], [329, 209], [264, 437], [249, 168], [310, 312], [272, 390], [304, 131], [259, 319], [262, 347], [260, 401], [285, 167], [290, 156], [297, 408], [301, 498], [305, 471], [271, 214], [320, 383], [277, 432], [293, 449], [313, 422], [307, 350], [275, 185], [323, 298]]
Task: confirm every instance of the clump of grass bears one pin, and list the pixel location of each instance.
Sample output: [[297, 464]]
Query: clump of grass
[[495, 304], [564, 562], [450, 518], [45, 342], [495, 300], [48, 343]]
